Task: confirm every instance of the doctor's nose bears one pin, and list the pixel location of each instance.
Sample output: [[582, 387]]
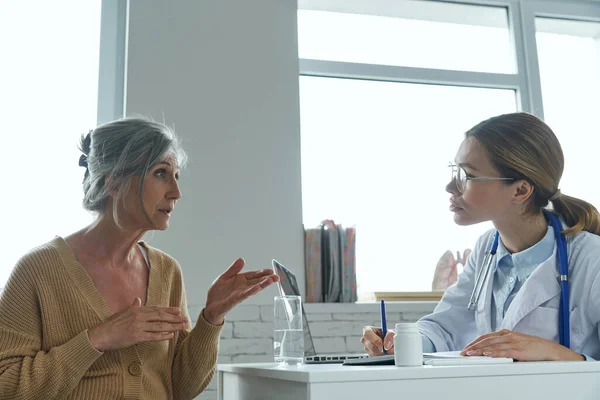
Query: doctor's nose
[[452, 188]]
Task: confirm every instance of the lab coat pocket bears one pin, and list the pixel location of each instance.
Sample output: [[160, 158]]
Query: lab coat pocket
[[576, 328], [541, 322]]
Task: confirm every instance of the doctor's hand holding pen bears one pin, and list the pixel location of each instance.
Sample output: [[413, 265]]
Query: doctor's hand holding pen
[[373, 341], [446, 273]]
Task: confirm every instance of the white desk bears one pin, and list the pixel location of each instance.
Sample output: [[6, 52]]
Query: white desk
[[540, 380]]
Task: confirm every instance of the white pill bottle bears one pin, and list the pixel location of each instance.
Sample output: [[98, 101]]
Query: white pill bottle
[[408, 346]]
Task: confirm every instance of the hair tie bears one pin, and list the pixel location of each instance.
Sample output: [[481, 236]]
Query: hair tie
[[83, 161], [555, 195]]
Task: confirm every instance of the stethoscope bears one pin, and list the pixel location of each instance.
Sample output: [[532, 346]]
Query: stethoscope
[[563, 265]]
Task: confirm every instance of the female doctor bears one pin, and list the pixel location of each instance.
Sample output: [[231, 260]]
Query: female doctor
[[528, 290]]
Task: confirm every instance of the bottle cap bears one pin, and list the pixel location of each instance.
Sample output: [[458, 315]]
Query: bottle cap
[[410, 327]]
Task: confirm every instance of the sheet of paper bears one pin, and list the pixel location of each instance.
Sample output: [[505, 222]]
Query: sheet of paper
[[454, 357]]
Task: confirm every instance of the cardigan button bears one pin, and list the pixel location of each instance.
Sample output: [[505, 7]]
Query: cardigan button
[[135, 368]]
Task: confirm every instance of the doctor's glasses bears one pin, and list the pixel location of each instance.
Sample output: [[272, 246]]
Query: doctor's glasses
[[460, 177]]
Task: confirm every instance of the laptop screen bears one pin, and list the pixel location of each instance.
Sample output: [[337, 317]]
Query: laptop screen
[[288, 286]]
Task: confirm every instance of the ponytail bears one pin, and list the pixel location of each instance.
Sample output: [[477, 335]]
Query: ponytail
[[579, 215]]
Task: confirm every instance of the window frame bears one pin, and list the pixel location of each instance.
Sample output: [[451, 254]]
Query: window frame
[[114, 26], [525, 81]]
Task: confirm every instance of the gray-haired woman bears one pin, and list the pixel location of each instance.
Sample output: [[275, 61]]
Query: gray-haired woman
[[99, 314]]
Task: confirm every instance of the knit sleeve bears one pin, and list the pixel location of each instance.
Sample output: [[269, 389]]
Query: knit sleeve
[[27, 371], [195, 356]]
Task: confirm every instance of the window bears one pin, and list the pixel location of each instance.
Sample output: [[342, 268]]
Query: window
[[389, 169], [412, 34], [387, 90], [569, 59], [49, 92]]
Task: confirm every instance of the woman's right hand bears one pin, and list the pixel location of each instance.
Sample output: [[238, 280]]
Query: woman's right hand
[[137, 324], [372, 340]]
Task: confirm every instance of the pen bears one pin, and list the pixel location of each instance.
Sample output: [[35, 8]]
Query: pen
[[383, 325]]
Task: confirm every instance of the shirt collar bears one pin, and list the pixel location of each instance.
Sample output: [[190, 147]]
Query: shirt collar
[[525, 261]]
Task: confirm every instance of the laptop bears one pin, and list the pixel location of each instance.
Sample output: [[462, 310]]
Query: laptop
[[288, 286]]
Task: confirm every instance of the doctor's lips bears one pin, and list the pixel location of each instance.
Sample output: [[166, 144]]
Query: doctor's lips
[[454, 207]]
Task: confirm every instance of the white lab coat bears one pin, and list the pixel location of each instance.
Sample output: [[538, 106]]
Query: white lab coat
[[535, 308]]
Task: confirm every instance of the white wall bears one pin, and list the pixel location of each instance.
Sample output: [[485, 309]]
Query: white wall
[[225, 75]]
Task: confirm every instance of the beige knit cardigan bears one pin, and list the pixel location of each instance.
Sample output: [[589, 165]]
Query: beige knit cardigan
[[46, 309]]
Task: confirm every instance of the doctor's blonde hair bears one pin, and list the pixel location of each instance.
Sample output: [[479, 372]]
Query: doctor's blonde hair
[[523, 147]]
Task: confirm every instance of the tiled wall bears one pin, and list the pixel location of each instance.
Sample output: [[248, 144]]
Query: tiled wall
[[248, 332]]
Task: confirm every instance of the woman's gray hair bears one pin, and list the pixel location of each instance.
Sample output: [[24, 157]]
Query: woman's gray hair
[[115, 152]]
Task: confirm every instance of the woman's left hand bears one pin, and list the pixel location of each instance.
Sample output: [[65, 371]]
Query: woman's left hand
[[519, 346], [232, 287]]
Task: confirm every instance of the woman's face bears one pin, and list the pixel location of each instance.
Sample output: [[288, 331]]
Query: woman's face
[[481, 200], [161, 192]]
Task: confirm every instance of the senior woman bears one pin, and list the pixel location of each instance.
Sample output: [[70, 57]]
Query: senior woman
[[100, 314]]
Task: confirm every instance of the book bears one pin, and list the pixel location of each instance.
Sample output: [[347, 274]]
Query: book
[[314, 265]]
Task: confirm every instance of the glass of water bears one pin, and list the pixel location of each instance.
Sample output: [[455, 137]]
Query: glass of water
[[288, 339]]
